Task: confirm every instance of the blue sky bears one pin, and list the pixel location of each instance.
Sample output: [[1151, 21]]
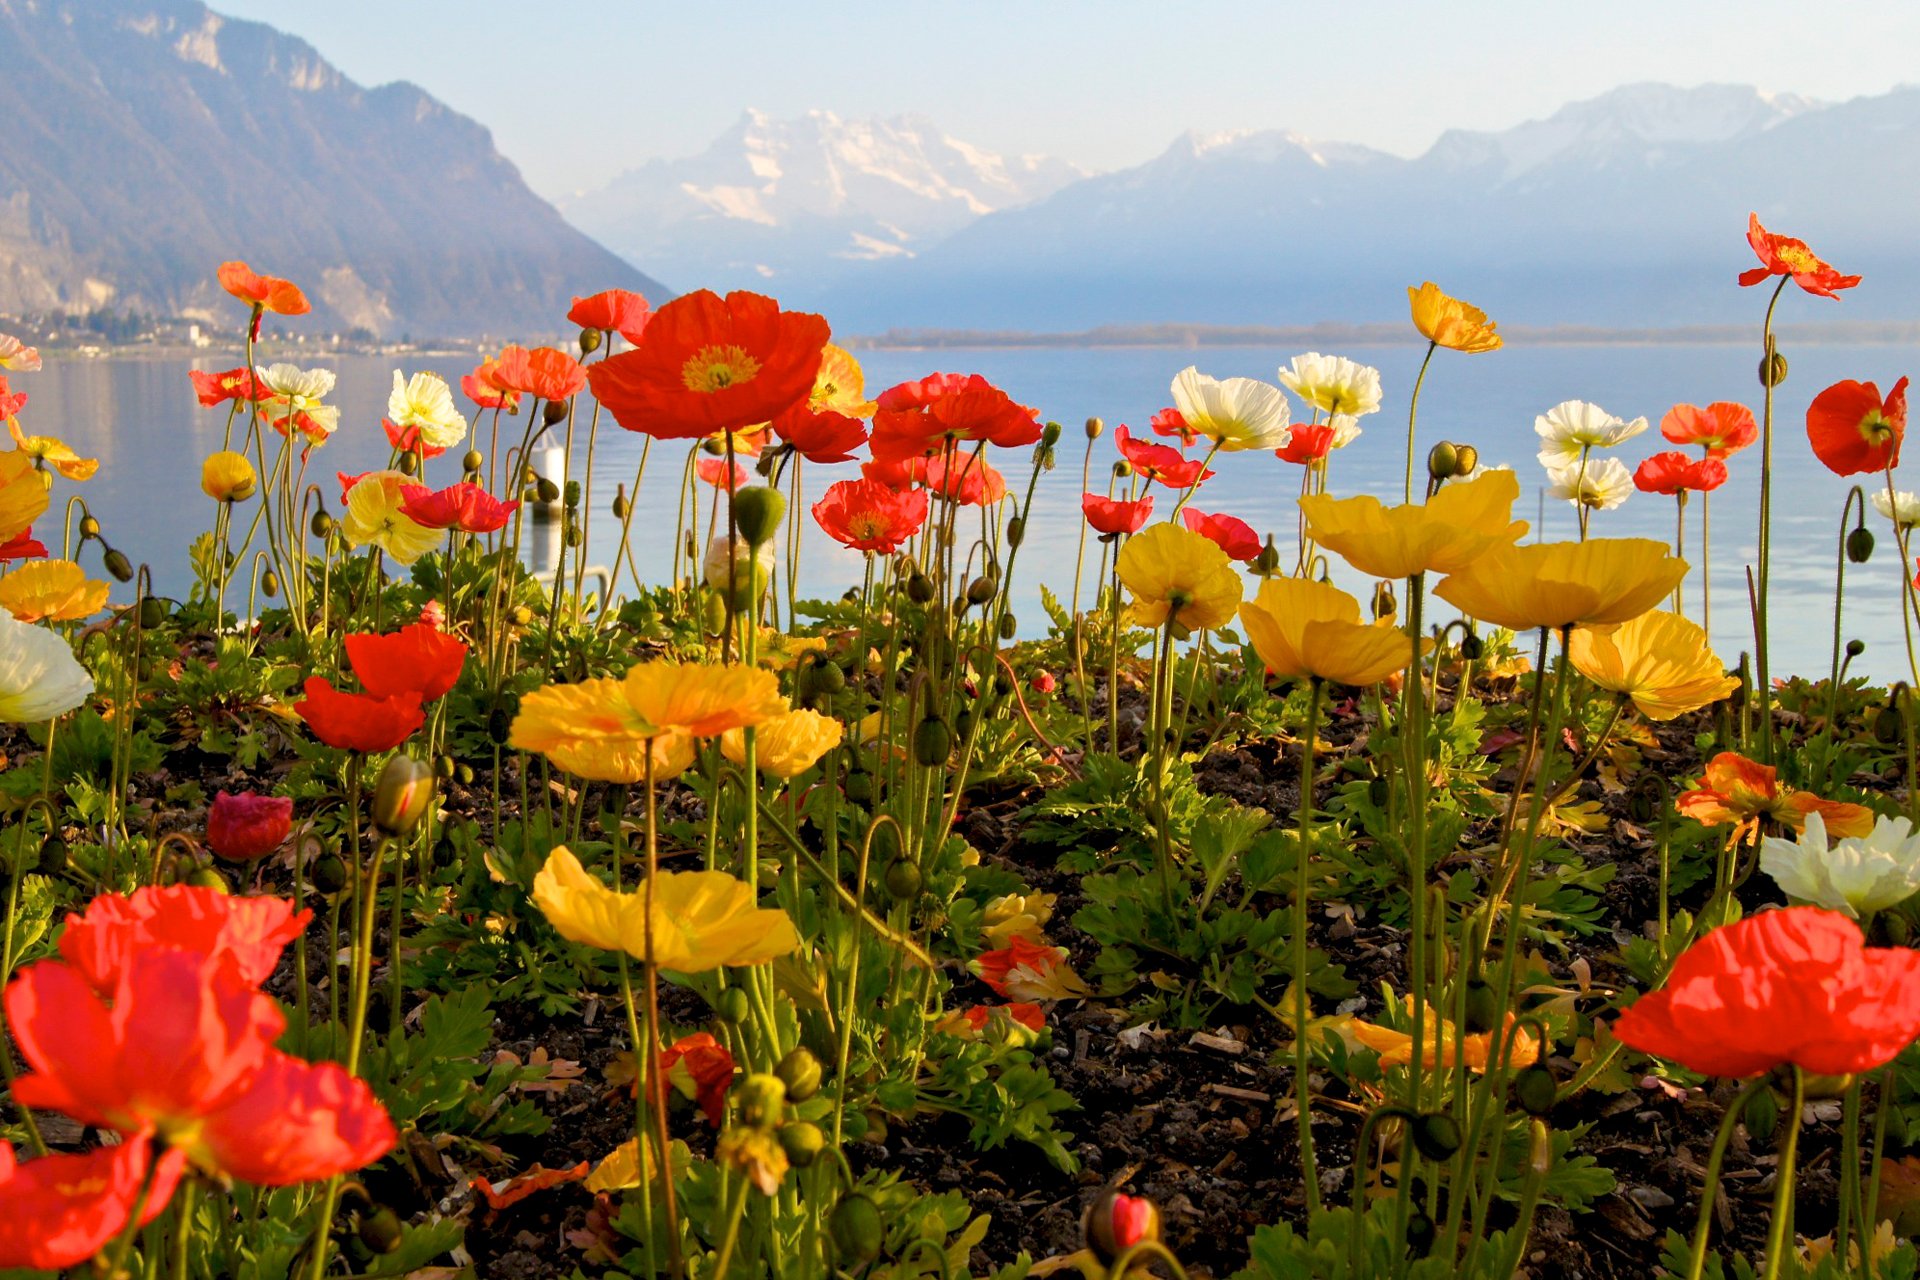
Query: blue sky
[[576, 92]]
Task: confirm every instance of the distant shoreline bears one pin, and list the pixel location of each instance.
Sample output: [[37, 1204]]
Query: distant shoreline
[[1180, 336]]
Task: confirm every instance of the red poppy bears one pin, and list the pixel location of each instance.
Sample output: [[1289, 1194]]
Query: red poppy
[[544, 373], [216, 388], [1674, 472], [714, 472], [358, 721], [1785, 256], [11, 402], [182, 1038], [1043, 682], [409, 440], [870, 516], [969, 481], [296, 1121], [1853, 431], [1115, 515], [483, 389], [1795, 985], [701, 1068], [1160, 462], [23, 546], [348, 481], [1028, 1015], [59, 1210], [620, 310], [417, 659], [262, 293], [920, 418], [1171, 422], [821, 435], [243, 827], [1306, 443], [465, 506], [1230, 533], [252, 932], [511, 1191], [994, 967], [707, 365], [1721, 428]]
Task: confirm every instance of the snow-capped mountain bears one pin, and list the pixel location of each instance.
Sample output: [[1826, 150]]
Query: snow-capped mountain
[[773, 203]]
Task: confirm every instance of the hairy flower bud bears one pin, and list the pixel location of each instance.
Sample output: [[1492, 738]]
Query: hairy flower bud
[[402, 795]]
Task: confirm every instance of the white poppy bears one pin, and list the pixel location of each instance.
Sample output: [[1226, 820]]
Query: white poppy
[[1572, 427], [1234, 413], [1856, 875], [1903, 508], [1600, 483], [425, 401], [1334, 384], [296, 396], [39, 676]]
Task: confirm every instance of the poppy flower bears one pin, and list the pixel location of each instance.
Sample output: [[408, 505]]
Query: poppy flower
[[701, 1069], [1444, 1044], [421, 411], [700, 920], [359, 721], [708, 364], [178, 1037], [23, 494], [1333, 384], [1171, 422], [545, 373], [484, 390], [243, 827], [1796, 986], [1028, 971], [227, 476], [296, 1121], [1853, 430], [1160, 462], [785, 745], [466, 507], [1234, 413], [17, 356], [262, 293], [51, 591], [50, 452], [1738, 791], [869, 516], [922, 417], [1721, 428], [376, 515], [416, 659], [1462, 522], [703, 700], [1672, 472], [1598, 483], [714, 471], [11, 402], [1785, 256], [292, 400], [1562, 584], [1573, 427], [59, 1210], [39, 676], [1176, 574], [823, 435], [1306, 443], [1855, 875], [1448, 322], [1659, 660], [1303, 629], [590, 729], [23, 546], [970, 1022], [251, 932], [211, 389], [620, 311], [1230, 533], [841, 385], [1115, 515]]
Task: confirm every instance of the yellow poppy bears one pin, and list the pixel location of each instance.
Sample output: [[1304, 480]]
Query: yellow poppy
[[702, 699], [54, 453], [51, 590], [1304, 629], [23, 494], [701, 919], [621, 1168], [1450, 322], [1597, 583], [785, 745], [227, 476], [840, 386], [1175, 572], [1444, 1046], [1456, 526], [1016, 915], [1659, 659], [591, 730], [374, 516]]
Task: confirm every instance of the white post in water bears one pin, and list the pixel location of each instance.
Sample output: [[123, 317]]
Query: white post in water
[[550, 463]]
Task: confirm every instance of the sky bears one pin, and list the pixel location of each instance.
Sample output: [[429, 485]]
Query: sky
[[576, 93]]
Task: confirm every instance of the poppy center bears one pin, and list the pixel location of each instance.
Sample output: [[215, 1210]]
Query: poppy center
[[1875, 429], [716, 368], [1798, 258], [868, 524]]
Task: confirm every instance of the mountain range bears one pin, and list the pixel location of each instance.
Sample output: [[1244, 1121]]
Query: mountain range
[[147, 141]]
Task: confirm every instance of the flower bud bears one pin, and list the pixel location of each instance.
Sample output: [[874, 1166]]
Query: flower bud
[[1761, 1115], [555, 413], [1534, 1089], [1773, 370], [1267, 563], [903, 880], [732, 1006], [737, 571], [760, 1098], [757, 512], [1442, 460], [270, 583], [1095, 426], [932, 742], [321, 525], [329, 874], [1009, 626], [1420, 1234], [1114, 1223], [1016, 531], [1466, 458], [1888, 724], [1856, 647], [207, 878], [857, 1233], [589, 341], [982, 589], [153, 613], [1472, 647], [380, 1230], [1860, 545], [403, 795], [472, 461], [919, 588], [620, 506], [1436, 1135], [546, 491], [803, 1143], [409, 462], [800, 1072], [118, 565], [89, 527], [572, 492], [1383, 602], [1122, 469]]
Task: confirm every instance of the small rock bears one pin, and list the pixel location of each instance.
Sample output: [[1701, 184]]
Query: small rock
[[1650, 1197]]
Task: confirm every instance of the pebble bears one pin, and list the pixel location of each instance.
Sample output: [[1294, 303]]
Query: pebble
[[1650, 1197]]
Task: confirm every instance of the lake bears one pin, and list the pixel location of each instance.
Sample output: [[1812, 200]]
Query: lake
[[139, 416]]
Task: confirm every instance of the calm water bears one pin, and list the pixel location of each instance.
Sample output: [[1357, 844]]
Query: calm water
[[141, 419]]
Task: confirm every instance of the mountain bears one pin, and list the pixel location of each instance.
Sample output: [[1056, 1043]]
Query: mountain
[[775, 204], [147, 141], [1629, 209]]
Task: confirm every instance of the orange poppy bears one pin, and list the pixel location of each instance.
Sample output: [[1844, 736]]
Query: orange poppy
[[869, 516], [1307, 443], [11, 401], [708, 364], [1785, 256], [544, 373], [1114, 515], [1721, 428], [821, 435], [483, 389], [59, 1210], [1740, 791], [214, 388], [263, 293], [921, 417], [1171, 422], [1674, 472], [713, 471], [620, 310], [1853, 430], [358, 721]]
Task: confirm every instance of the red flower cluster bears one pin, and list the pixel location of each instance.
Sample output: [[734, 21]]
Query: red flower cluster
[[1792, 986], [465, 507], [921, 418], [152, 1024], [400, 671], [1160, 462]]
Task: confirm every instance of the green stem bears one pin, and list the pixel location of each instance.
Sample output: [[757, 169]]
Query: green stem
[[1778, 1238], [1765, 555], [1413, 408], [1302, 1088], [1710, 1184]]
